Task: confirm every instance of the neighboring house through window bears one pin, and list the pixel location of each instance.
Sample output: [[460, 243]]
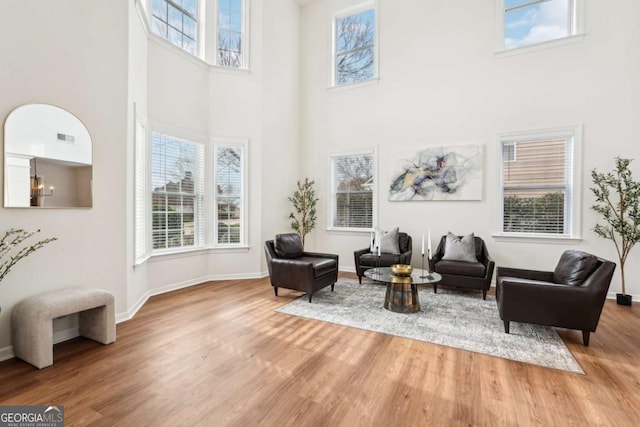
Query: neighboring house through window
[[177, 178], [353, 190], [229, 182], [539, 188], [177, 22], [530, 22], [354, 47]]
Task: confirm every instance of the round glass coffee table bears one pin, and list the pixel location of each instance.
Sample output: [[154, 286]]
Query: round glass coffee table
[[402, 291]]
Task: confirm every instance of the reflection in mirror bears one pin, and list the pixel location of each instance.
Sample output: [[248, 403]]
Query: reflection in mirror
[[48, 158]]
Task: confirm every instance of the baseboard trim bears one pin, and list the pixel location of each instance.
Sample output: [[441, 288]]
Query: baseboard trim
[[6, 353]]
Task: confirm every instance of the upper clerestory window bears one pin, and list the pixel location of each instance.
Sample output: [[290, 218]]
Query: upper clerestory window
[[231, 34], [177, 22], [354, 45], [532, 22]]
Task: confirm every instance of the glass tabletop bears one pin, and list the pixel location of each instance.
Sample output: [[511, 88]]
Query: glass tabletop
[[418, 276]]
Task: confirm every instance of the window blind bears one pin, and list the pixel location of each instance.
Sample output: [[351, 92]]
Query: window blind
[[177, 188], [353, 185], [537, 185], [229, 168]]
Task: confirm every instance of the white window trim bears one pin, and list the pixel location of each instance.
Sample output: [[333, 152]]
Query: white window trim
[[360, 7], [331, 206], [244, 230], [576, 35], [246, 12], [576, 133], [139, 120]]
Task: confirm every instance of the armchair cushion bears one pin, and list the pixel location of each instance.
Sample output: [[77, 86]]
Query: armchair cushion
[[460, 249], [574, 267], [474, 269], [288, 245]]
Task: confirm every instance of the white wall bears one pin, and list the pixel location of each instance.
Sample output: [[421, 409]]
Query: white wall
[[73, 54], [441, 83]]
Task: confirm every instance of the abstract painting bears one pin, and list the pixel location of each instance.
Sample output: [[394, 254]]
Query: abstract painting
[[438, 173]]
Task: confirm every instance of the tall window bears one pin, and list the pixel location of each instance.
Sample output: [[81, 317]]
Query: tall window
[[528, 22], [230, 34], [177, 178], [353, 190], [229, 181], [176, 21], [354, 46], [539, 188]]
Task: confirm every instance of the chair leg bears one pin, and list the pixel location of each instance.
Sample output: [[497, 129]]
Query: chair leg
[[332, 285], [585, 338], [484, 294], [360, 279], [310, 295], [275, 290], [506, 326], [435, 288]]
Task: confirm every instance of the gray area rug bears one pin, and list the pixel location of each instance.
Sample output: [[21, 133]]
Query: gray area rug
[[452, 318]]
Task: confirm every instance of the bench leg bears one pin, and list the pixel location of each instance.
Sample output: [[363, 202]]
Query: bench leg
[[33, 341], [98, 324]]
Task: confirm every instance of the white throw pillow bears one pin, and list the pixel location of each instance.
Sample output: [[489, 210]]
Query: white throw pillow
[[388, 241], [460, 249]]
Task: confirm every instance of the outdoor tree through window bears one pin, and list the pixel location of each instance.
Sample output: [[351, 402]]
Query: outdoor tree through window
[[355, 37], [229, 194], [353, 190]]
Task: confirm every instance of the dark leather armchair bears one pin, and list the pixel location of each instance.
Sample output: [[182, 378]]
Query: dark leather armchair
[[463, 274], [571, 296], [292, 268], [365, 259]]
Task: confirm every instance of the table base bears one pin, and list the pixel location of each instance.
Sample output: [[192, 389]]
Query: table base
[[402, 298]]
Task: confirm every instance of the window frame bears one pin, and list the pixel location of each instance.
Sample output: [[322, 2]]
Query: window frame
[[218, 142], [373, 151], [198, 40], [244, 37], [142, 163], [576, 28], [343, 13], [200, 219], [573, 181]]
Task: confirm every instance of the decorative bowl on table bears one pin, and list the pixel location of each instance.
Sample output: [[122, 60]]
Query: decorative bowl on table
[[402, 270]]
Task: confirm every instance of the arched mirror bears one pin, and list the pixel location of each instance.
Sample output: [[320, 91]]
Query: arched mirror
[[47, 159]]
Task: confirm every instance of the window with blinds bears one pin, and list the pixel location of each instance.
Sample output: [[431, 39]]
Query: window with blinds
[[353, 190], [140, 195], [229, 184], [177, 193], [537, 185]]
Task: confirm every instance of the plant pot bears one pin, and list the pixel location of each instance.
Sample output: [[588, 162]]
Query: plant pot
[[623, 299]]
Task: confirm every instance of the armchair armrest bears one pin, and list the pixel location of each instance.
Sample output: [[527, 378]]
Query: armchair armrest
[[543, 276], [533, 291], [320, 255], [405, 257], [360, 252], [291, 271]]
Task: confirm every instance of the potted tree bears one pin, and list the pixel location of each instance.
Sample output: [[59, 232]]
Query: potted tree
[[304, 203], [618, 201]]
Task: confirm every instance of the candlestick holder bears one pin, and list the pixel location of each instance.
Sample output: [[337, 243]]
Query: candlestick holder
[[428, 275]]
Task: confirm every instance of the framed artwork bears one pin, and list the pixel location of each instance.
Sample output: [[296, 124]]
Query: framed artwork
[[438, 173]]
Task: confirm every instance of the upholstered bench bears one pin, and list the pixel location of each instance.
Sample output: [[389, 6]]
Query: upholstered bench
[[32, 322]]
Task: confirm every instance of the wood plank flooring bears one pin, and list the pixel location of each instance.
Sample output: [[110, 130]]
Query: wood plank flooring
[[218, 354]]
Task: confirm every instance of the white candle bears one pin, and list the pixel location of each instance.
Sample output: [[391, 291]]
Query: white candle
[[429, 243], [422, 244], [378, 248]]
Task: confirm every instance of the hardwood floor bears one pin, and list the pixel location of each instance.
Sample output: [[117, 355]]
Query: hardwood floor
[[217, 354]]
